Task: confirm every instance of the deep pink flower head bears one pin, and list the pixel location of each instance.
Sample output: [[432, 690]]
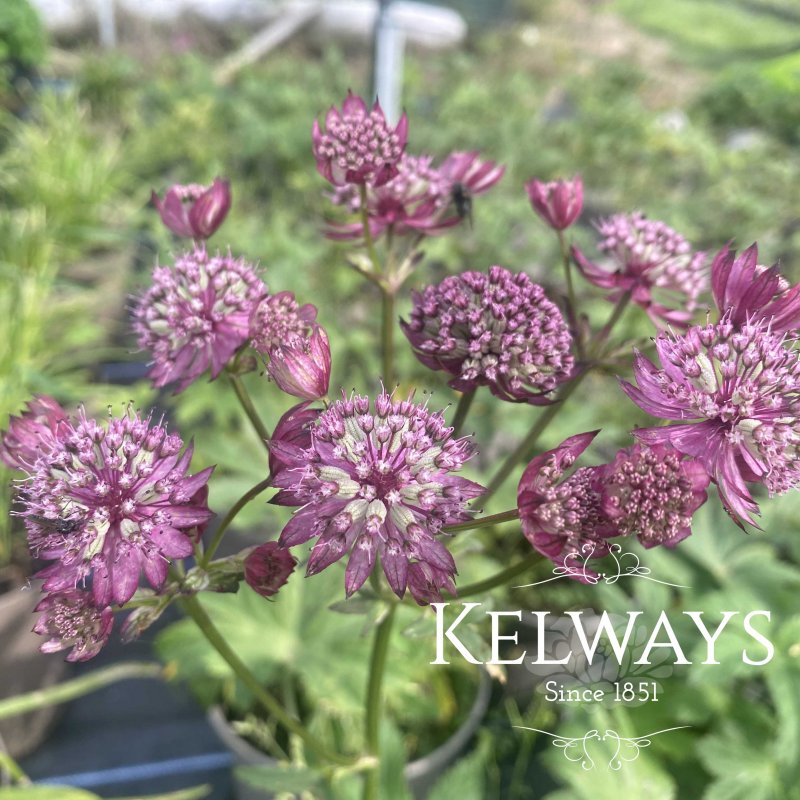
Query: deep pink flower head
[[747, 290], [279, 318], [653, 492], [652, 262], [358, 145], [194, 211], [268, 567], [196, 315], [302, 366], [293, 428], [558, 203], [377, 484], [112, 501], [563, 518], [36, 430], [71, 619], [495, 329], [741, 390]]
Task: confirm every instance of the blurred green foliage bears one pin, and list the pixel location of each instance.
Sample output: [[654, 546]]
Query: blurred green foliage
[[22, 37]]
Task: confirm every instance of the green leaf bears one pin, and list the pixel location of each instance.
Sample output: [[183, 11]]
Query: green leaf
[[466, 780], [279, 779]]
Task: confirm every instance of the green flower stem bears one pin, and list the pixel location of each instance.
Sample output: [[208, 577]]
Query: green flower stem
[[377, 667], [249, 495], [387, 337], [69, 690], [567, 260], [13, 770], [462, 409], [500, 578], [368, 240], [614, 318], [249, 409], [483, 522], [192, 607]]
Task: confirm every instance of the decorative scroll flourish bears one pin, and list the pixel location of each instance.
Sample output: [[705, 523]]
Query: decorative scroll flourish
[[576, 749], [576, 565]]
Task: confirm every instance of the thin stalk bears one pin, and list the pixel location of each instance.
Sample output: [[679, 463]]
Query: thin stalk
[[368, 240], [499, 578], [614, 318], [387, 337], [13, 770], [192, 607], [567, 260], [69, 690], [462, 409], [483, 522], [529, 442], [249, 409], [249, 495], [377, 667]]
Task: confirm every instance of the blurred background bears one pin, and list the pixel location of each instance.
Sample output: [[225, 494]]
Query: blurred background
[[688, 110]]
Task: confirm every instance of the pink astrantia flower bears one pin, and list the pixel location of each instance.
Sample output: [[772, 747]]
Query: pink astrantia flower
[[194, 211], [558, 203], [302, 366], [358, 145], [653, 492], [196, 315], [468, 170], [293, 428], [377, 484], [268, 567], [563, 517], [735, 393], [37, 429], [279, 318], [746, 289], [650, 261], [495, 329], [110, 502], [70, 619]]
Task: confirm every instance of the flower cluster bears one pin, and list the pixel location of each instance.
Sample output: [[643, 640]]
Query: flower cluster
[[375, 481], [735, 393], [651, 263], [420, 198], [358, 145], [36, 431], [558, 203], [650, 493], [495, 329]]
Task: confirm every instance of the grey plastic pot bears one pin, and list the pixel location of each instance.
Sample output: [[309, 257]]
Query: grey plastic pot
[[23, 669], [421, 774]]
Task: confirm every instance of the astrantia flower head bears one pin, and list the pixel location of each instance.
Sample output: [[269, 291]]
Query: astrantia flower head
[[196, 315], [563, 517], [558, 203], [741, 388], [302, 366], [358, 145], [652, 493], [293, 428], [650, 261], [495, 329], [267, 568], [473, 174], [37, 430], [71, 619], [279, 318], [193, 210], [110, 502], [376, 482], [745, 289]]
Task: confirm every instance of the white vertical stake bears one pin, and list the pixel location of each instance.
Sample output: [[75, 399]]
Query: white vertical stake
[[106, 23], [390, 43]]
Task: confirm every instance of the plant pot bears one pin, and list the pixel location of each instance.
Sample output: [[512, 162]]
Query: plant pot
[[421, 774], [24, 668]]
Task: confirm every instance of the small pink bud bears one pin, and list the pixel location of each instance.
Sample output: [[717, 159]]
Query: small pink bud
[[267, 568], [194, 211], [558, 203], [302, 367]]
